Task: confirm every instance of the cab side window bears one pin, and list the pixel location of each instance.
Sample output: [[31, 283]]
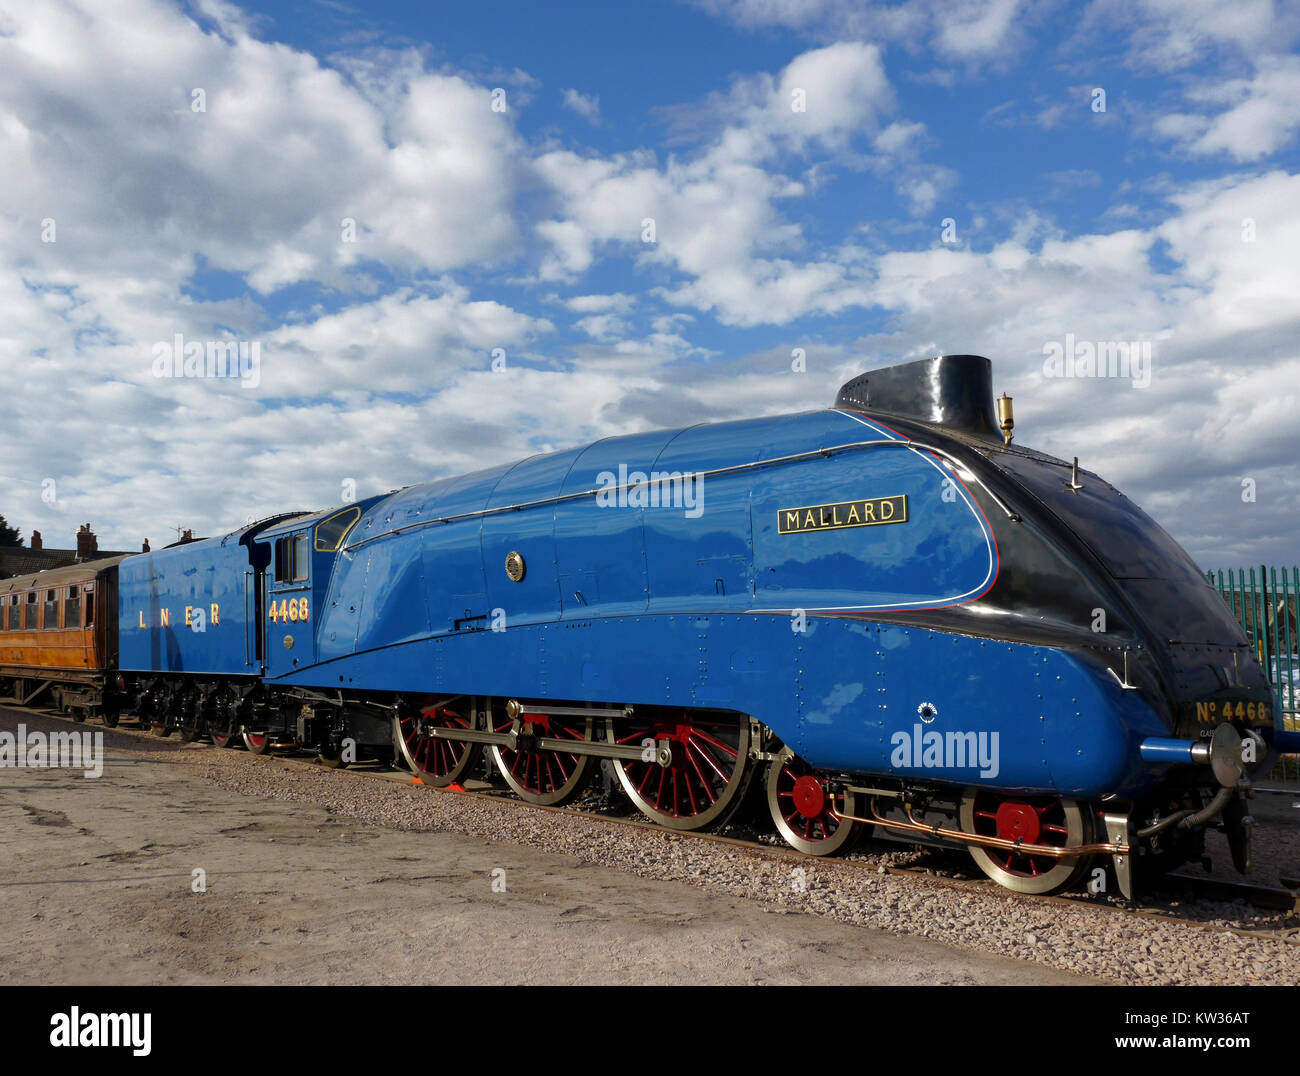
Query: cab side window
[[283, 561], [301, 557], [292, 558]]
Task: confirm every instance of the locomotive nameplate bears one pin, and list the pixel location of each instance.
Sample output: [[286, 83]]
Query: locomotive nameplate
[[871, 512]]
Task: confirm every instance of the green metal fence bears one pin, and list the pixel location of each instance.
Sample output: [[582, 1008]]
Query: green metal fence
[[1265, 601]]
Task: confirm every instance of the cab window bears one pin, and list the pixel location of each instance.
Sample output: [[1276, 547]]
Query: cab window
[[283, 560], [301, 557], [292, 558], [331, 532]]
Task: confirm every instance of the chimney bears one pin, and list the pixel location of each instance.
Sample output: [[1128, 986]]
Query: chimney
[[145, 548], [36, 540], [188, 536], [87, 543]]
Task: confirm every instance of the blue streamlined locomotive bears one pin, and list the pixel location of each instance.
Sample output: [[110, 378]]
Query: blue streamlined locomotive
[[885, 612]]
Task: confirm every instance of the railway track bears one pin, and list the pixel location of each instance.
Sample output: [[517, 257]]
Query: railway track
[[1165, 902]]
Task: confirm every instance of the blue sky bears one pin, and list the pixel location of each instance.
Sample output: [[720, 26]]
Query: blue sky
[[869, 183]]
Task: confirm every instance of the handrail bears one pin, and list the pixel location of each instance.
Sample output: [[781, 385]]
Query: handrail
[[852, 446]]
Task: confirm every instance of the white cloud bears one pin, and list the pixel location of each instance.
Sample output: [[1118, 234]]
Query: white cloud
[[603, 326], [618, 303], [1262, 116], [385, 375], [586, 106], [96, 102], [715, 214], [976, 28], [402, 342], [1169, 35], [959, 30]]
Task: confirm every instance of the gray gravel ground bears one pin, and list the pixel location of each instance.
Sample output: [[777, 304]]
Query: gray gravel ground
[[97, 886], [1085, 940], [1078, 938]]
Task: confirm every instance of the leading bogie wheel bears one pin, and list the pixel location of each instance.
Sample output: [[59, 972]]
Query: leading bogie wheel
[[805, 810], [1042, 820]]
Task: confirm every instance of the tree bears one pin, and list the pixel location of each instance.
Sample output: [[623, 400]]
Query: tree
[[9, 535]]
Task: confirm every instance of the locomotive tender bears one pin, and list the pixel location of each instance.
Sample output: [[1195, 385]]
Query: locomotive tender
[[885, 612]]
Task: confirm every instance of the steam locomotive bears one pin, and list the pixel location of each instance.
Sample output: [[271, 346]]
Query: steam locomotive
[[884, 617]]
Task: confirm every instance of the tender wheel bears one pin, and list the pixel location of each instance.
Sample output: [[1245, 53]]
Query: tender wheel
[[258, 743], [707, 776], [543, 777], [804, 809], [110, 717], [332, 758], [223, 732], [190, 724], [1037, 820], [436, 761]]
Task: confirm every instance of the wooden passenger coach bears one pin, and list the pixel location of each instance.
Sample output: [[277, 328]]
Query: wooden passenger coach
[[58, 635]]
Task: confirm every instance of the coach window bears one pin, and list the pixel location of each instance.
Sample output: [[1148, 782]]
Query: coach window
[[4, 614], [331, 532], [50, 618], [90, 605], [29, 612], [72, 608]]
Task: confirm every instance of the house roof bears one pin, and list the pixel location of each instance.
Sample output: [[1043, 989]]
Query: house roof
[[19, 560]]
